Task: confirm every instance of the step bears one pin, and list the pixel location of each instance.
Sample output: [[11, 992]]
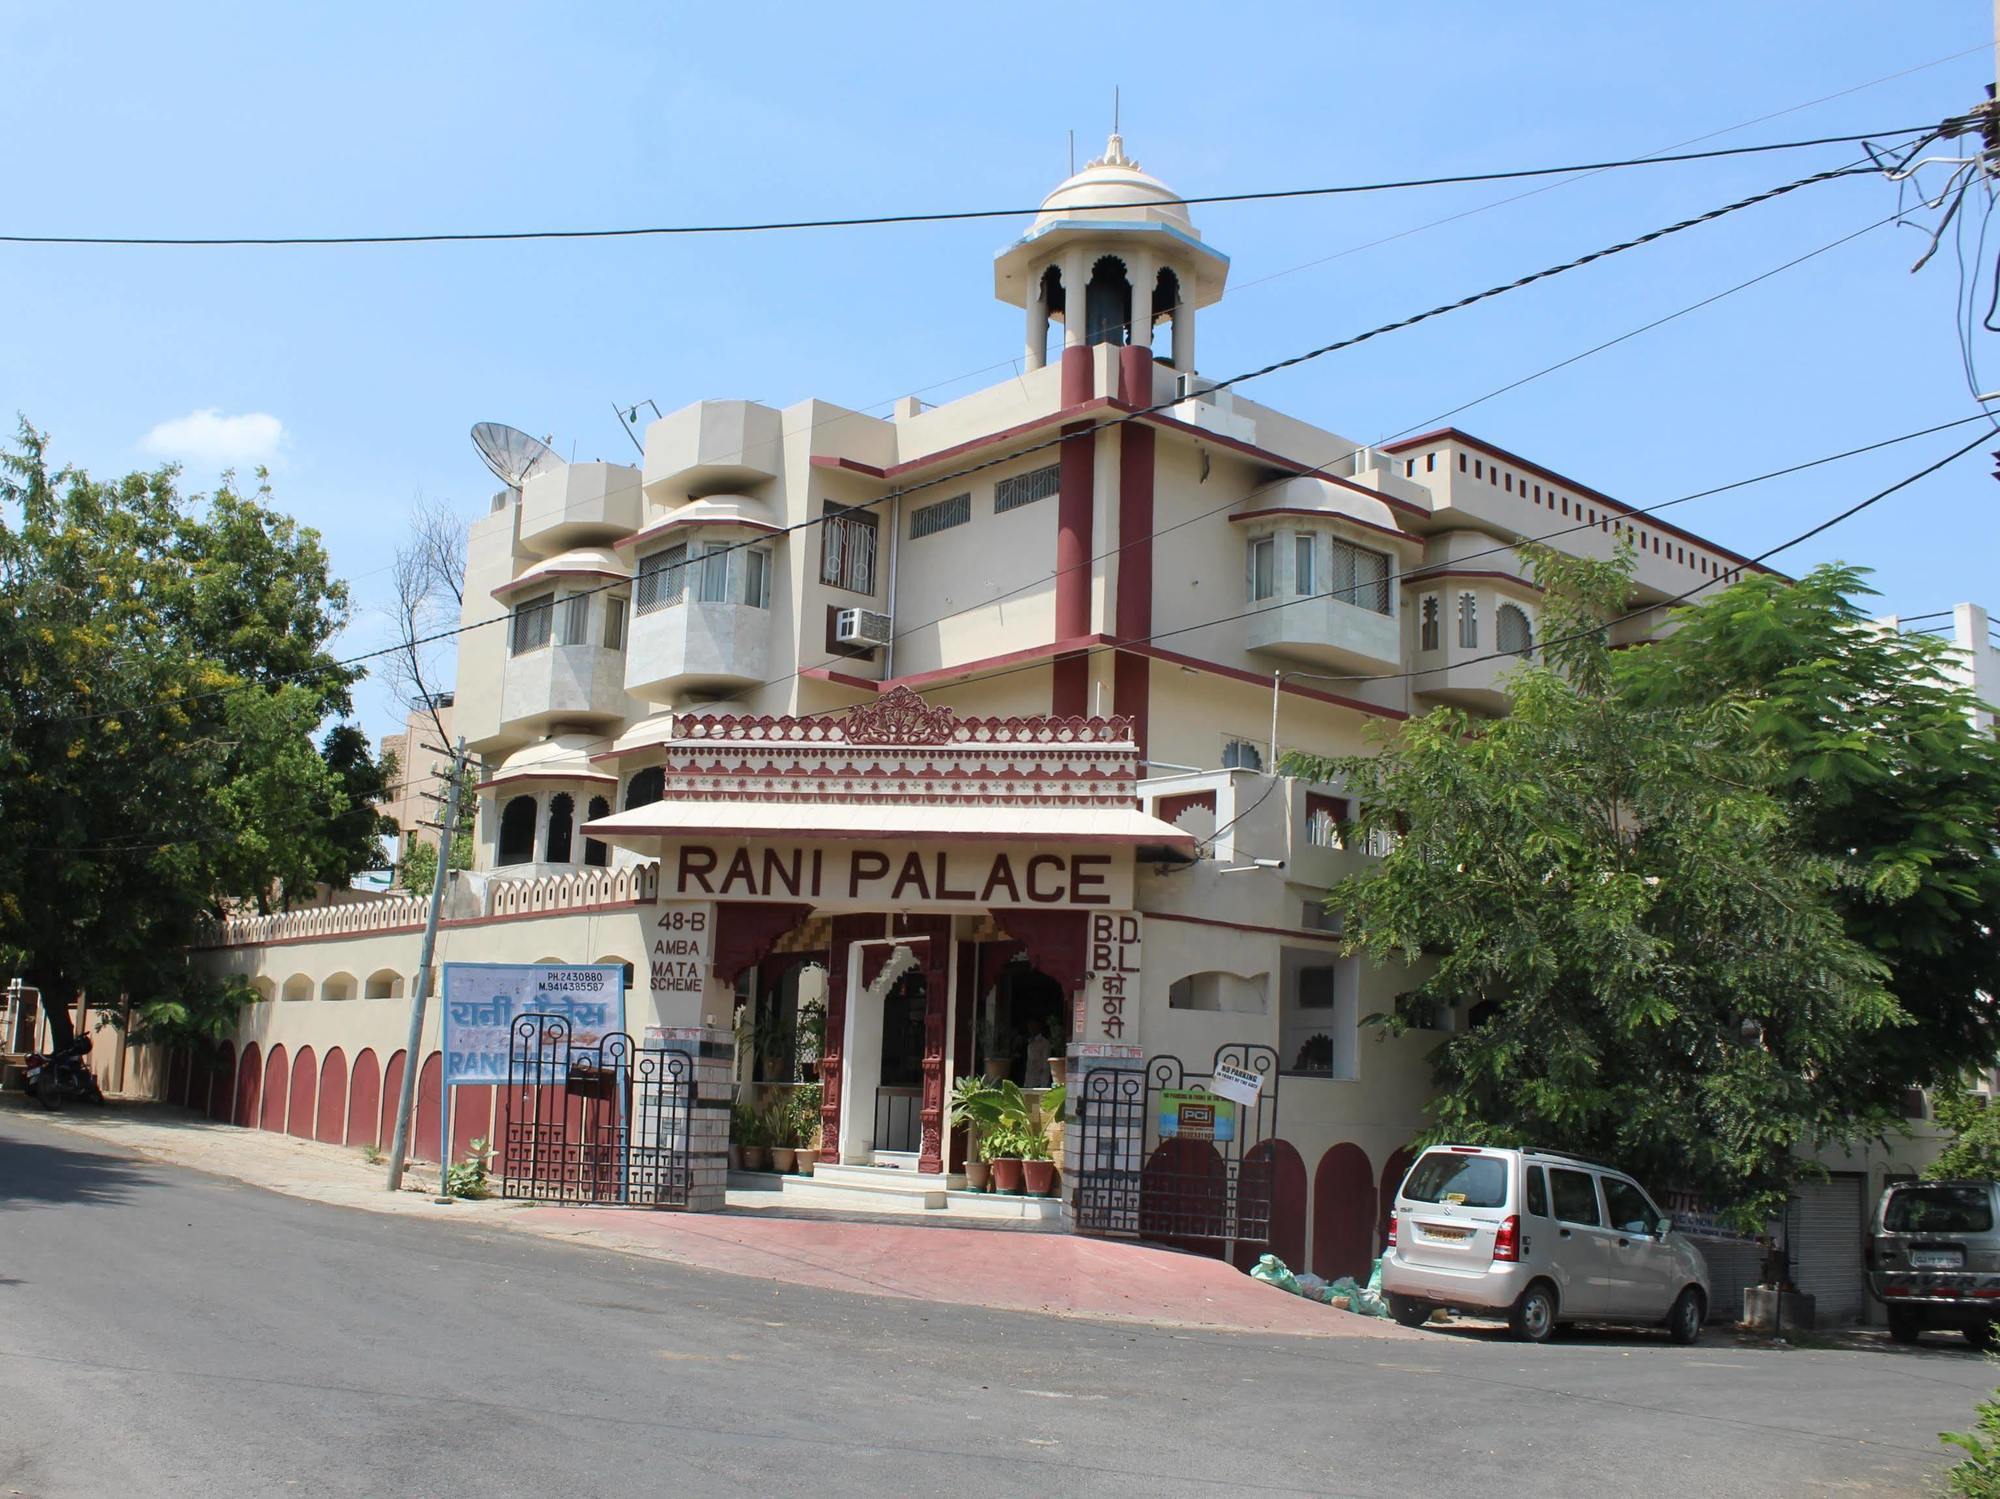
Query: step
[[860, 1189]]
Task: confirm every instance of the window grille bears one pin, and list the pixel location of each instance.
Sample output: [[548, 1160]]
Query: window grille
[[1512, 632], [1024, 489], [847, 549], [1428, 638], [1359, 576], [532, 621], [1324, 815], [1468, 622], [1241, 754], [928, 520], [662, 578]]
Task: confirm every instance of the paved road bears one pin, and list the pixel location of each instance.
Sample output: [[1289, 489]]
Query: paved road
[[163, 1332]]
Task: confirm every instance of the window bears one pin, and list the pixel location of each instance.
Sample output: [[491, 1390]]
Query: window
[[1427, 638], [1241, 754], [928, 520], [847, 549], [1512, 632], [1631, 1212], [556, 844], [712, 587], [595, 851], [646, 787], [1575, 1194], [1263, 568], [1478, 468], [1017, 490], [614, 624], [573, 628], [757, 577], [1302, 564], [1430, 463], [517, 831], [1461, 463], [1229, 993], [1316, 987], [1468, 622], [1324, 815], [662, 577], [1476, 1181], [532, 619], [1359, 576], [1939, 1210], [1538, 1193]]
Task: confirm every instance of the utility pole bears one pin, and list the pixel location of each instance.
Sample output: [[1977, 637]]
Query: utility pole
[[413, 1050]]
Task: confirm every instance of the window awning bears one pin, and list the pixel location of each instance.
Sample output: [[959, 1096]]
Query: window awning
[[806, 822]]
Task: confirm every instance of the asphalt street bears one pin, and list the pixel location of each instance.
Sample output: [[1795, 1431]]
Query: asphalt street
[[163, 1332]]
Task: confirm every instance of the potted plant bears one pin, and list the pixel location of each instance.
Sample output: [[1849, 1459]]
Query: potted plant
[[1038, 1172], [742, 1128], [975, 1105], [783, 1138], [1058, 1052], [811, 1038], [751, 1136], [1001, 1148], [805, 1127], [1031, 1122]]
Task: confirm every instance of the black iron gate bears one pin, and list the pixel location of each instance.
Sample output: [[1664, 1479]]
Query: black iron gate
[[605, 1123], [1161, 1155]]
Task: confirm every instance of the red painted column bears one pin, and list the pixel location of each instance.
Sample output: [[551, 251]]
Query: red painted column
[[1131, 688], [1074, 503], [937, 1006], [847, 930]]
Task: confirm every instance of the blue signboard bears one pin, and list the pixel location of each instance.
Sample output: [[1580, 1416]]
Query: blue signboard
[[483, 1000]]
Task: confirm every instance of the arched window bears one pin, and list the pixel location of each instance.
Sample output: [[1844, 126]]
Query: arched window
[[562, 820], [1468, 622], [517, 831], [1166, 302], [1427, 640], [595, 851], [646, 787], [1107, 302], [1052, 303], [1513, 633]]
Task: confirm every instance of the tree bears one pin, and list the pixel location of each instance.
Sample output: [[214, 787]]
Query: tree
[[167, 664], [1874, 751], [1644, 965], [421, 862], [429, 579], [1974, 1152]]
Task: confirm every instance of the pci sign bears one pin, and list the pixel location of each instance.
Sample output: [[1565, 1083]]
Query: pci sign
[[1194, 1114]]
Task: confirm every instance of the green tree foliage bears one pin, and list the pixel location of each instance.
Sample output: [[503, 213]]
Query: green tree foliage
[[421, 862], [1644, 963], [1875, 754], [167, 670], [1974, 1151]]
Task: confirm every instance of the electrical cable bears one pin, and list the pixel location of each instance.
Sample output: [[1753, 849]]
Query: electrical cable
[[955, 215]]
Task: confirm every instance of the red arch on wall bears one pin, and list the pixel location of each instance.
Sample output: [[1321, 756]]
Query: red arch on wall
[[471, 1118], [305, 1094], [277, 1089], [249, 1087], [392, 1091], [424, 1145], [179, 1066], [1392, 1178], [220, 1089], [1285, 1170], [1343, 1213], [330, 1119], [1184, 1187], [364, 1099]]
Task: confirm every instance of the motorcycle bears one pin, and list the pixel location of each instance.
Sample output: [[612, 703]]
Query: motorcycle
[[63, 1073]]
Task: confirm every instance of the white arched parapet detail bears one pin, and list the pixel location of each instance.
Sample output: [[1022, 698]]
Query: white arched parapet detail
[[338, 986], [265, 986], [298, 986], [384, 983]]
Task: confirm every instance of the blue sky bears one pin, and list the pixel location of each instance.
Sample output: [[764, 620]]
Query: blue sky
[[356, 372]]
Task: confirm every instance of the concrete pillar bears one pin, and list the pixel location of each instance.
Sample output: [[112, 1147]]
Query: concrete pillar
[[711, 1055], [1104, 1137], [1076, 283], [1184, 327], [1038, 325], [1135, 360]]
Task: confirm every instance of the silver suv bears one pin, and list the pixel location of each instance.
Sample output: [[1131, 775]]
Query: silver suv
[[1540, 1237], [1934, 1259]]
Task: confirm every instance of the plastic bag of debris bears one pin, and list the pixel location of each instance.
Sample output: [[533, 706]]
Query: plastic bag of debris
[[1271, 1270]]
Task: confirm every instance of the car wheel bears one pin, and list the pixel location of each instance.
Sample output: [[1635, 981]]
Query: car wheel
[[1408, 1311], [1904, 1325], [1533, 1318], [1684, 1321], [1979, 1335]]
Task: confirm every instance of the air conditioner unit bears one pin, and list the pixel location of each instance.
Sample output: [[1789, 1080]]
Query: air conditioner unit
[[861, 627]]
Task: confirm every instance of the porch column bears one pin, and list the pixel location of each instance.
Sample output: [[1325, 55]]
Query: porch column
[[937, 1009], [847, 930]]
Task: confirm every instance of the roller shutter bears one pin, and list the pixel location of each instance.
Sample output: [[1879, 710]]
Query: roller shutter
[[1823, 1229]]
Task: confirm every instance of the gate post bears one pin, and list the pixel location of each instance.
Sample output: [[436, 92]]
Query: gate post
[[1104, 1138], [711, 1054]]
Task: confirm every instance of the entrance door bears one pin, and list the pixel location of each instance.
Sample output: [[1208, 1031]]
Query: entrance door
[[900, 1085], [1824, 1225]]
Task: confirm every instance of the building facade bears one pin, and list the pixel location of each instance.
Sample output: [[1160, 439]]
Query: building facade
[[955, 730], [416, 796]]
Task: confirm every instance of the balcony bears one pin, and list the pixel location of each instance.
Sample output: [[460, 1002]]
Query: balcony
[[1464, 682], [710, 446], [692, 646], [570, 684], [578, 504], [1325, 631]]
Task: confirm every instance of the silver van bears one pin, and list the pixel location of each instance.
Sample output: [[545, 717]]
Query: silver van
[[1541, 1238], [1934, 1259]]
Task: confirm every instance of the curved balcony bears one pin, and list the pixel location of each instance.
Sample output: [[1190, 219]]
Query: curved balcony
[[1324, 631], [711, 445], [693, 646], [571, 684], [579, 504]]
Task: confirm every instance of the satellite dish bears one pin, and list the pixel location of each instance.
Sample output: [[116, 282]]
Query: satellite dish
[[511, 453]]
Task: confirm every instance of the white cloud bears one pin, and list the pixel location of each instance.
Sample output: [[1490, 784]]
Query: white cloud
[[210, 438]]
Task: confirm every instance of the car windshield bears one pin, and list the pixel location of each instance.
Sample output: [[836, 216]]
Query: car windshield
[[1939, 1210], [1477, 1181]]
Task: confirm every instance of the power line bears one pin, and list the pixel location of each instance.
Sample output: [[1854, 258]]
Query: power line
[[948, 216]]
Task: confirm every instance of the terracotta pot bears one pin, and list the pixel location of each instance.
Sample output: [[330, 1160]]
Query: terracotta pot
[[1006, 1175], [753, 1157], [1038, 1177], [803, 1161], [1059, 1071], [977, 1174], [781, 1158]]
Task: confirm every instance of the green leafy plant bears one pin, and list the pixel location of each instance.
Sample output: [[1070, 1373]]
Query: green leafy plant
[[373, 1155], [468, 1177], [1004, 1142], [746, 1125], [1003, 1112], [1977, 1474], [803, 1109], [1974, 1153], [780, 1128]]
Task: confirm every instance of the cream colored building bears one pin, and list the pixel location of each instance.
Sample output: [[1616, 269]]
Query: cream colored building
[[416, 796], [812, 677]]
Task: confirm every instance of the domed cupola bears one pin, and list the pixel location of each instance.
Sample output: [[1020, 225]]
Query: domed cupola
[[1124, 239]]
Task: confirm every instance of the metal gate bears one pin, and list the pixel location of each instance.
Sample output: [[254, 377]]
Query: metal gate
[[606, 1123], [1161, 1155]]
